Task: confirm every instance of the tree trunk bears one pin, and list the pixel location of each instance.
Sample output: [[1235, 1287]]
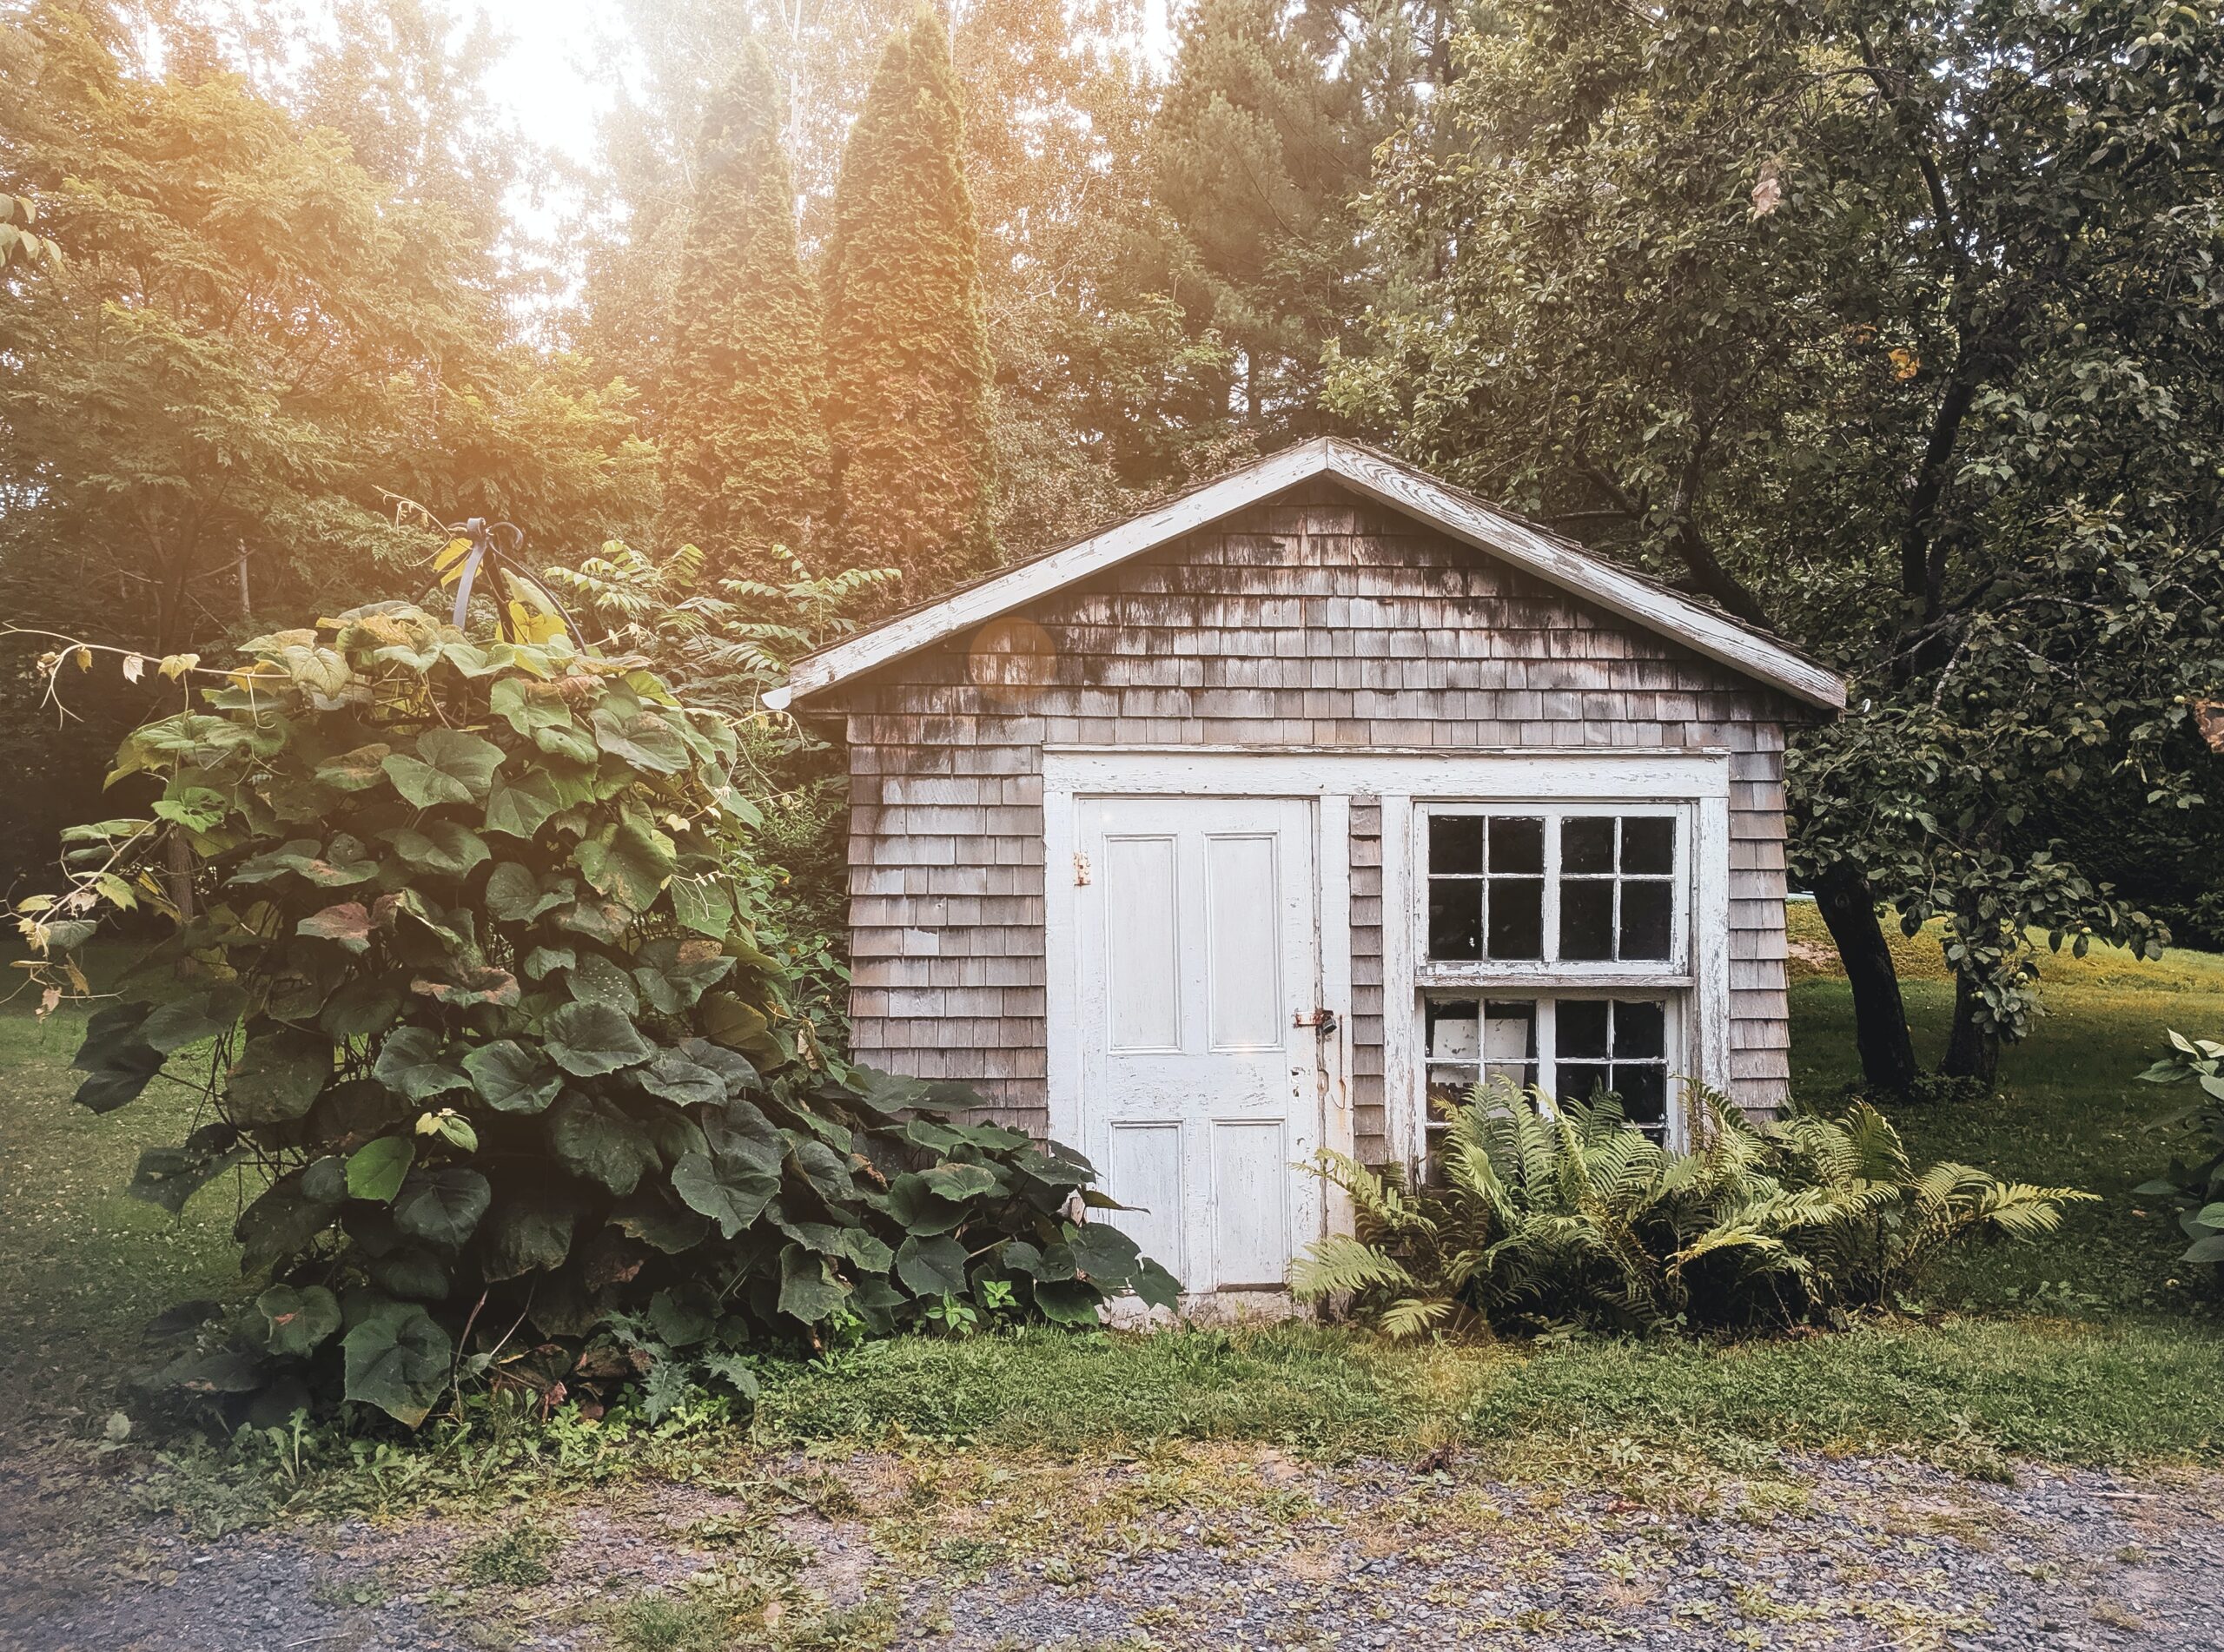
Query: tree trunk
[[1971, 1052], [1880, 1018]]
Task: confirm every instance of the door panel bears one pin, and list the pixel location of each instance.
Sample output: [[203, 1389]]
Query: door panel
[[1197, 947]]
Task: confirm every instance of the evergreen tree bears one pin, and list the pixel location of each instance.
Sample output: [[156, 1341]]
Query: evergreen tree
[[744, 450], [908, 373]]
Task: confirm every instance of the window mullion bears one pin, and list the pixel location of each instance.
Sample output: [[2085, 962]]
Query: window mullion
[[1548, 1044], [1550, 948]]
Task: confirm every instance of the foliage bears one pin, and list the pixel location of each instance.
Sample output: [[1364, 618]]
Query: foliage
[[465, 932], [1770, 300], [21, 245], [742, 444], [1559, 1212], [2196, 1189], [909, 377], [253, 343]]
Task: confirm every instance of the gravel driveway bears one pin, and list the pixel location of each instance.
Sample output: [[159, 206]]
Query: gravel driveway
[[1194, 1549]]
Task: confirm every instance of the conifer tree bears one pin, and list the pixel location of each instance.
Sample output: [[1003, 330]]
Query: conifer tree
[[908, 373], [743, 445]]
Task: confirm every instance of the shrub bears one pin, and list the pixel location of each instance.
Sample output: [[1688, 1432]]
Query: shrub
[[1557, 1211], [466, 932], [2198, 1188]]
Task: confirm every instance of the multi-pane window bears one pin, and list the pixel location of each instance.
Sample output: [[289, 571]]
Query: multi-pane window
[[1574, 1046], [1536, 887]]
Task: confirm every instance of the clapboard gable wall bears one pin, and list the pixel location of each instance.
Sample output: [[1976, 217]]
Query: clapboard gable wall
[[1318, 619]]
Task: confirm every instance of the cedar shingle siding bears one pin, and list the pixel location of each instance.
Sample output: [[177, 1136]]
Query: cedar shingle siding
[[1319, 619]]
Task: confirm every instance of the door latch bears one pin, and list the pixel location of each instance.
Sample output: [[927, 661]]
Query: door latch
[[1322, 1021], [1081, 869]]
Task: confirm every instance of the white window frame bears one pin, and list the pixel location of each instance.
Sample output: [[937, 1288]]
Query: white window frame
[[1548, 998], [1674, 971]]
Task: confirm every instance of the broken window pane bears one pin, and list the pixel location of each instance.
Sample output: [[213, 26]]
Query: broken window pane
[[1587, 844], [1455, 918], [1517, 917], [1517, 845], [1647, 909], [1643, 1090], [1583, 1081], [1640, 1030], [1587, 919], [1510, 1040], [1648, 844], [1455, 843]]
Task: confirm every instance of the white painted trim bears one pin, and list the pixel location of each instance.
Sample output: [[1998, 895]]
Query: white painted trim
[[1398, 486], [1062, 964], [1711, 943], [1535, 774], [1404, 1100], [1332, 859]]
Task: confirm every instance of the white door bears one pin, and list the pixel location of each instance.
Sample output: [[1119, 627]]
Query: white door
[[1198, 951]]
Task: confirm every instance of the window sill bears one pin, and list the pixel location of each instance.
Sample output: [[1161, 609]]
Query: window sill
[[1537, 976]]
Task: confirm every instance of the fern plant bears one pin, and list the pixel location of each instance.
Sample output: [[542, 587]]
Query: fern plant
[[1552, 1211]]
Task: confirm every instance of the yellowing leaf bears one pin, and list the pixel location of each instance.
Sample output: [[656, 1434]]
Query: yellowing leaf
[[448, 561], [135, 667], [176, 665], [84, 659]]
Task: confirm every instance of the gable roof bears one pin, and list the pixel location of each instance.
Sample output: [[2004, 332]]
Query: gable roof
[[1705, 630]]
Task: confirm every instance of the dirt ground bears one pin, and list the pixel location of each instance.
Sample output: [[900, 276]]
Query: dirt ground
[[1196, 1548]]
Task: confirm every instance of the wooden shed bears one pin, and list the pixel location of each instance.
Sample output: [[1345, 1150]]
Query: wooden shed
[[1243, 828]]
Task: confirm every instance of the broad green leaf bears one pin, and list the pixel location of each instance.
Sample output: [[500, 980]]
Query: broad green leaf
[[960, 1182], [589, 1038], [228, 1371], [513, 893], [194, 1017], [705, 905], [675, 973], [297, 1321], [931, 1267], [448, 767], [291, 1211], [528, 1231], [921, 1210], [532, 709], [598, 920], [729, 1189], [484, 985], [1068, 1302], [645, 740], [441, 1208], [1157, 1286], [543, 960], [810, 1289], [399, 1360], [277, 1076], [627, 863], [683, 1318], [522, 808], [595, 980], [343, 865], [375, 1169], [120, 1063], [356, 770], [412, 1063], [171, 1176], [357, 1109], [362, 1008], [512, 1079], [591, 1137], [652, 1216], [671, 1075], [1104, 1253], [441, 847], [348, 923]]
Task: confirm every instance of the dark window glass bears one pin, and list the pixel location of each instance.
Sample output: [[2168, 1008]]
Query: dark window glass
[[1587, 920], [1648, 844], [1640, 1030], [1517, 917], [1587, 844], [1581, 1080], [1647, 908], [1455, 918], [1455, 843], [1582, 1028], [1644, 1091], [1517, 845]]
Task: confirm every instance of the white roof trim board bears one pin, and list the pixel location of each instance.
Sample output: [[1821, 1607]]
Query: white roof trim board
[[1696, 626]]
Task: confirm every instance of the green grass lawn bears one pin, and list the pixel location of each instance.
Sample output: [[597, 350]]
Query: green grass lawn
[[2091, 1347]]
